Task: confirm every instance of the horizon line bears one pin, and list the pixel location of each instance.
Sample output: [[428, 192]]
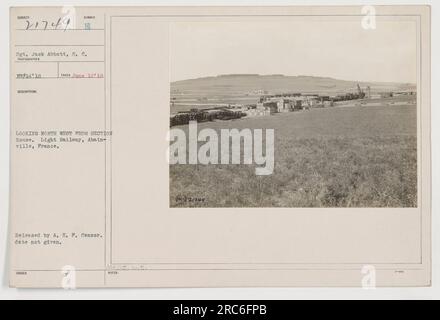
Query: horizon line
[[300, 75]]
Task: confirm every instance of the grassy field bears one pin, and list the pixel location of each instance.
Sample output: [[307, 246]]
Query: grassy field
[[332, 157]]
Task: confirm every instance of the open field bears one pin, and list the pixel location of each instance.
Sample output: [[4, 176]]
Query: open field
[[335, 157]]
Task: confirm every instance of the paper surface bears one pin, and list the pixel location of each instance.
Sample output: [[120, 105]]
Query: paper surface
[[220, 146]]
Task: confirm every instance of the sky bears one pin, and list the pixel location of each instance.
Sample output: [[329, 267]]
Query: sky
[[329, 48]]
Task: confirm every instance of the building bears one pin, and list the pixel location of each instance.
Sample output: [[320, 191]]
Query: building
[[268, 107]]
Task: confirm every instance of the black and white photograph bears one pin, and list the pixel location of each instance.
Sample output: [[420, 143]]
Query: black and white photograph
[[339, 96]]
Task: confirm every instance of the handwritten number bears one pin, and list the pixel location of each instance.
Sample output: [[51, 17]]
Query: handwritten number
[[45, 24]]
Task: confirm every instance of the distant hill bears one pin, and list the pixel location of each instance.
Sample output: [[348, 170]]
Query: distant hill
[[241, 83], [247, 88]]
